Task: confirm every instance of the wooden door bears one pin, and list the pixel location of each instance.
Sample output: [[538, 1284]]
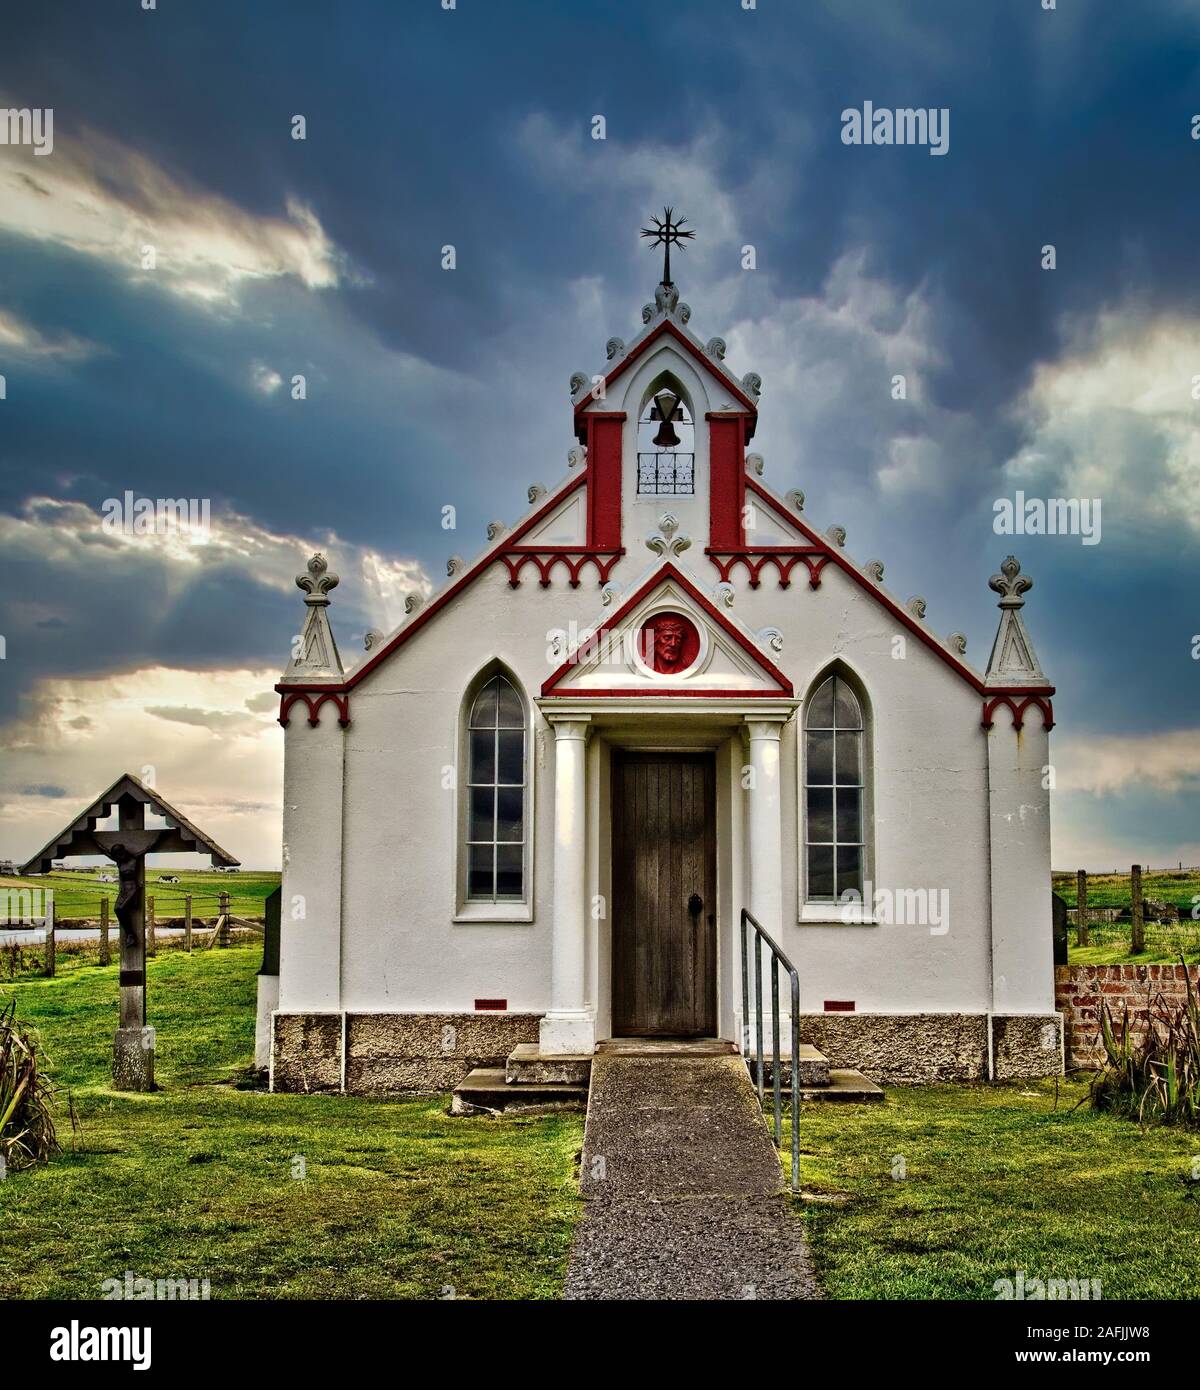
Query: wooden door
[[664, 935]]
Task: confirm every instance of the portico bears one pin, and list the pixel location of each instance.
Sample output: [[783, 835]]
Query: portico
[[740, 740]]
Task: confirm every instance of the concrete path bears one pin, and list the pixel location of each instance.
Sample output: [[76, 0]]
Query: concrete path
[[684, 1188]]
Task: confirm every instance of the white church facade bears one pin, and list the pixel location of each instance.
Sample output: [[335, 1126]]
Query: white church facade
[[535, 811]]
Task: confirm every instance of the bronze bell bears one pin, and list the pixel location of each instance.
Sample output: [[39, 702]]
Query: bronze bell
[[666, 403]]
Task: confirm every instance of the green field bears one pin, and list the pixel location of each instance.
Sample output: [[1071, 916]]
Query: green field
[[77, 893], [1109, 942], [197, 1180], [997, 1179], [400, 1201]]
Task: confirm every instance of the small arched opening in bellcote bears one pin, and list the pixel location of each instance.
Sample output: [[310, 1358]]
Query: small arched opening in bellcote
[[666, 440]]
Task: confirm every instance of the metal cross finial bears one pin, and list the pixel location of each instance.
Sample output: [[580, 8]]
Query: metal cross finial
[[665, 233], [317, 582]]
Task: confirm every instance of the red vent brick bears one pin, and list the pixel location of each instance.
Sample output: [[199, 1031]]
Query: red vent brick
[[839, 1006], [491, 1004]]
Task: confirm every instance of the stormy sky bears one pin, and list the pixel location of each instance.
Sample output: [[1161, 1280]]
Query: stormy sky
[[170, 374]]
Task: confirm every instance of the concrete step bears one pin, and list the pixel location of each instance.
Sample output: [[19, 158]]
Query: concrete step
[[527, 1063], [844, 1084], [487, 1089], [666, 1047], [813, 1068]]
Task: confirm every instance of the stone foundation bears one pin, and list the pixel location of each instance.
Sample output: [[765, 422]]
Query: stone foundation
[[916, 1049], [389, 1054]]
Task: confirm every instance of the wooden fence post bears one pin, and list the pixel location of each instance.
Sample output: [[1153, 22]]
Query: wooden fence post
[[1137, 941], [104, 957], [187, 922], [151, 945], [1081, 907], [223, 924], [50, 943]]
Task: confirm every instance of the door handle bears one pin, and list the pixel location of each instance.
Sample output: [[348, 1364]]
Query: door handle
[[695, 904]]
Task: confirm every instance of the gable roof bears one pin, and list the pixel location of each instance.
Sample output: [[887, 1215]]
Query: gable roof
[[668, 572], [75, 837], [504, 542], [714, 369], [835, 554]]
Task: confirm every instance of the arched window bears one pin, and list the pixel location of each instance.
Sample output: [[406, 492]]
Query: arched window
[[496, 793], [835, 782]]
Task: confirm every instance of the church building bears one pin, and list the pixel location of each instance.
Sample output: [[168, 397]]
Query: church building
[[534, 813]]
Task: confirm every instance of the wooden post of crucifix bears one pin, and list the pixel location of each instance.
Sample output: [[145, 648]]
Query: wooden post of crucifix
[[127, 846]]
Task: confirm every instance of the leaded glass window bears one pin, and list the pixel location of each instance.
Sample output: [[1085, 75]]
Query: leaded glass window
[[834, 778], [496, 786]]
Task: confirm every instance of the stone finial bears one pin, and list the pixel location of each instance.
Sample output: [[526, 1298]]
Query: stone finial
[[614, 348], [725, 593], [873, 569], [666, 297], [372, 638], [1011, 584], [579, 381], [315, 654], [609, 593], [536, 490], [317, 582], [495, 529], [958, 641], [752, 385], [664, 541], [837, 534], [756, 463], [576, 455], [716, 348], [916, 606], [413, 601], [795, 499], [455, 565], [771, 637], [647, 312], [685, 312], [1013, 660]]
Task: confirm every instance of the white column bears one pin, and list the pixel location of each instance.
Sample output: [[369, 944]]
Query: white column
[[765, 836], [570, 1024], [765, 825]]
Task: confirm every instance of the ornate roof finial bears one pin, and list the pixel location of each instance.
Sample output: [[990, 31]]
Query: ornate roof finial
[[1013, 659], [1011, 584], [666, 233], [314, 651], [317, 582]]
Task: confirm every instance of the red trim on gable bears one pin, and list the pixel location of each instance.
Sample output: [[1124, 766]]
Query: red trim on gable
[[834, 553], [425, 614], [1035, 696], [656, 580], [668, 329]]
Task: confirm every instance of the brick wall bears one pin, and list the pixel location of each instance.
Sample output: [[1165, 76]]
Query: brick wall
[[1080, 991]]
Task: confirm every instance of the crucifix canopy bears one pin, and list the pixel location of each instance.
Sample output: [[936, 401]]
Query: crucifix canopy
[[131, 798]]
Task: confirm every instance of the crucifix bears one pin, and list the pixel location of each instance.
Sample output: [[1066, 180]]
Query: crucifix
[[666, 233], [127, 846]]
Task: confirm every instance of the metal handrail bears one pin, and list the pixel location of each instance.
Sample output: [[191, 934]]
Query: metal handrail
[[778, 958]]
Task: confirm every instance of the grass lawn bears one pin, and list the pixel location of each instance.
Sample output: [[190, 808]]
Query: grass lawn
[[1109, 941], [400, 1201], [196, 1181], [997, 1180]]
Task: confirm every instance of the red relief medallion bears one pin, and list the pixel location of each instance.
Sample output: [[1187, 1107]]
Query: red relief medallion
[[669, 643]]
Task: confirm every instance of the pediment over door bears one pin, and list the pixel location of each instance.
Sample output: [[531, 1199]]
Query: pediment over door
[[669, 638]]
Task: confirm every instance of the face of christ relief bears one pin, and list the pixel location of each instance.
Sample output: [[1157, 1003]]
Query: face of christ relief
[[669, 643]]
